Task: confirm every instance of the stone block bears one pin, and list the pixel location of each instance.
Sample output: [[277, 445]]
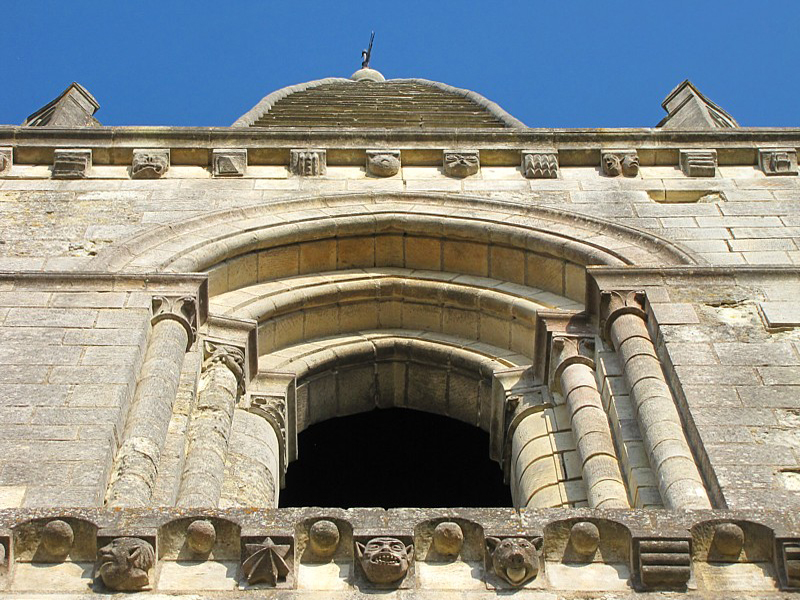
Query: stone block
[[308, 162], [228, 162], [540, 164], [663, 563], [778, 161], [150, 164], [780, 315], [698, 163], [6, 160], [71, 163]]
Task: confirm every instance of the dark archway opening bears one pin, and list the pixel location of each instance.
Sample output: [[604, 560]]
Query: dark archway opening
[[394, 458]]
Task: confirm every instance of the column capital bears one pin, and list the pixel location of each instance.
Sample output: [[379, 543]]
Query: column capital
[[615, 303], [182, 309], [227, 355], [241, 334], [566, 350]]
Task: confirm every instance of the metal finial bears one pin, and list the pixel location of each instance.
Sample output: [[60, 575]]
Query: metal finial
[[366, 54]]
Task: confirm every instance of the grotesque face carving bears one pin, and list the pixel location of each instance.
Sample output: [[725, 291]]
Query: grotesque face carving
[[149, 165], [630, 165], [612, 165], [124, 564], [383, 164], [385, 559], [515, 560], [461, 164]]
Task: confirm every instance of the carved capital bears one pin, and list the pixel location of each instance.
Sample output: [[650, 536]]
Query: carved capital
[[619, 162], [619, 302], [461, 163], [274, 408], [566, 350], [540, 165], [179, 308], [229, 162], [383, 163], [71, 163], [308, 162], [6, 155], [778, 161], [698, 163], [149, 164], [216, 354]]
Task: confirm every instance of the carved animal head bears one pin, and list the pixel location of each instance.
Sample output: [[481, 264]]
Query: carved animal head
[[515, 560], [612, 164], [384, 164], [124, 564], [385, 559], [461, 164], [630, 165]]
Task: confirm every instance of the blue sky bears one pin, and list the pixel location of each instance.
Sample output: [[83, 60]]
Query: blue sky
[[550, 64]]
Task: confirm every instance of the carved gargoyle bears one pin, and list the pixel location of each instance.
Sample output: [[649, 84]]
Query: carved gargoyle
[[385, 559], [266, 562], [124, 564], [514, 560]]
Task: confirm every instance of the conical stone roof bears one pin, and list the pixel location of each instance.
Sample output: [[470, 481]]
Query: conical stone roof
[[394, 103]]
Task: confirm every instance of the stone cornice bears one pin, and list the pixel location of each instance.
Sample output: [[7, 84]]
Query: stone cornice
[[576, 147]]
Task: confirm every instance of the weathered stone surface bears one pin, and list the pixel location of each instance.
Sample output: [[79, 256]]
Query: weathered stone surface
[[308, 162], [228, 163], [6, 159], [699, 163], [540, 165], [149, 164], [71, 163], [778, 161], [461, 163], [383, 163], [619, 162]]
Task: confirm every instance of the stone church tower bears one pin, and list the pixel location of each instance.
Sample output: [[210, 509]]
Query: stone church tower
[[616, 310]]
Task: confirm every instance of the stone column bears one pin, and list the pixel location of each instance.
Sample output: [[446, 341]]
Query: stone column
[[573, 375], [679, 480], [221, 383], [136, 463], [258, 440]]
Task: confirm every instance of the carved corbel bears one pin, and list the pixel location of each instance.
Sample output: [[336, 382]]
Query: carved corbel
[[226, 355], [149, 164], [229, 162], [698, 163], [182, 309], [540, 164], [6, 155], [619, 302], [383, 163], [308, 162], [461, 163], [71, 163], [776, 161], [619, 162]]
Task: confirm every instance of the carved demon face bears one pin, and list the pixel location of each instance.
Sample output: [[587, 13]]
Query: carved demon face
[[460, 164], [124, 564], [612, 165], [516, 560], [385, 559]]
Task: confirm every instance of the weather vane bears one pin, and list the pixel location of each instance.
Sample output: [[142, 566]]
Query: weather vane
[[365, 54]]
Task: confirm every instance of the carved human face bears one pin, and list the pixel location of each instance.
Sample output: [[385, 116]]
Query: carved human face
[[385, 559], [515, 560], [125, 562], [461, 164], [612, 165], [630, 165]]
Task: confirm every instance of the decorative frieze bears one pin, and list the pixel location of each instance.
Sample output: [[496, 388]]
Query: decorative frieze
[[124, 565], [698, 163], [149, 164], [461, 163], [308, 162], [383, 163], [540, 164], [778, 161], [71, 163], [664, 563], [619, 162], [228, 162], [6, 160]]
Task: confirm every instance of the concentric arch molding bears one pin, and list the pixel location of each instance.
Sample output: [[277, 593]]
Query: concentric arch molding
[[199, 243]]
